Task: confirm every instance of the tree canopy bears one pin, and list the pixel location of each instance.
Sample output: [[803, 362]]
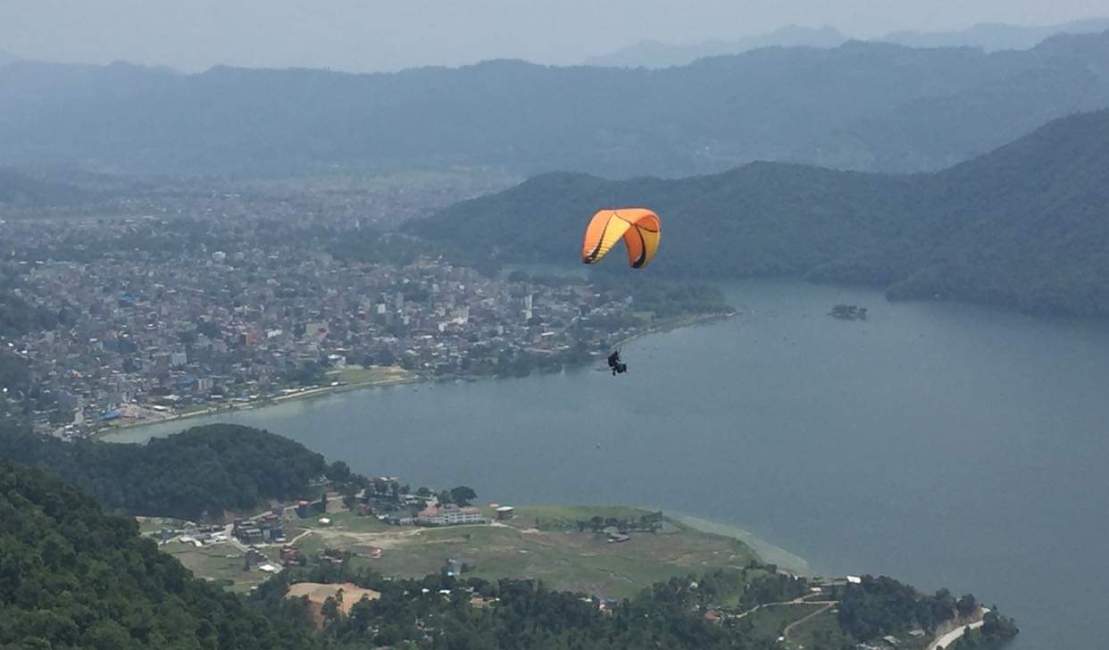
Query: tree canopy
[[201, 472], [75, 578], [1024, 226]]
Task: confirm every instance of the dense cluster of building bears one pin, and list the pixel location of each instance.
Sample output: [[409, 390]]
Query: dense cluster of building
[[156, 317], [269, 528]]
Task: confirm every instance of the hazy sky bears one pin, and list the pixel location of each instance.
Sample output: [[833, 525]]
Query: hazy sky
[[386, 35]]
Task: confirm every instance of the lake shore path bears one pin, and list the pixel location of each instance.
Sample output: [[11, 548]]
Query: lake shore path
[[946, 639]]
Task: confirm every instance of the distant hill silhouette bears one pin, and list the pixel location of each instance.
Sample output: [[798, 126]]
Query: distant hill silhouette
[[990, 37], [655, 54], [1025, 226], [996, 36], [865, 106]]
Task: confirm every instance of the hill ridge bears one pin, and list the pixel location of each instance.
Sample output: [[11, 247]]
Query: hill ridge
[[1023, 226]]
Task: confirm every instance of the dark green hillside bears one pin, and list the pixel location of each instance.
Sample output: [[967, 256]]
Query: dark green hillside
[[200, 472], [76, 578], [1025, 226], [761, 219]]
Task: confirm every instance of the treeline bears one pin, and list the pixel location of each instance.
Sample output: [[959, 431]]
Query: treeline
[[511, 613], [198, 474], [77, 578], [74, 578], [995, 631], [664, 299], [880, 606], [1022, 227]]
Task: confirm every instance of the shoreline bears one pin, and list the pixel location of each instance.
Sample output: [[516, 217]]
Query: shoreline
[[260, 403], [766, 551], [408, 378], [678, 323], [945, 639]]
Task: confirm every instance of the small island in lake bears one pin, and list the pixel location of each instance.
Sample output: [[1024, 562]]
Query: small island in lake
[[848, 312]]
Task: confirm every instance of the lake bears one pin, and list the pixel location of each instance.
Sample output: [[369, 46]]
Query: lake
[[944, 445]]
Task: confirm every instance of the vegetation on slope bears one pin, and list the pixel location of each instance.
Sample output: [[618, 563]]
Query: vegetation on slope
[[199, 473], [75, 578], [1024, 226]]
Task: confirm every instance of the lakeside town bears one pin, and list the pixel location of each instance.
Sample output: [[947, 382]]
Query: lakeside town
[[138, 319]]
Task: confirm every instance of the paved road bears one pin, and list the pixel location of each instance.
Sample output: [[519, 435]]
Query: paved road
[[954, 635], [827, 605]]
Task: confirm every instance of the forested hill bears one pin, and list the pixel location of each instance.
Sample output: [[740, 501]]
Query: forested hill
[[203, 471], [866, 106], [1024, 226], [76, 578]]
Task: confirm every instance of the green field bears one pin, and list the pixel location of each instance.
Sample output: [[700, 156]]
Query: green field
[[551, 517], [357, 375], [765, 550], [554, 552], [155, 524], [340, 521], [220, 563], [770, 622], [541, 542], [823, 631]]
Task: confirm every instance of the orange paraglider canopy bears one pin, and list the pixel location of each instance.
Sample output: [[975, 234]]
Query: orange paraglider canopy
[[640, 229]]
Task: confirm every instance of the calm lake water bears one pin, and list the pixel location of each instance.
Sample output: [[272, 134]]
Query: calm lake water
[[945, 445]]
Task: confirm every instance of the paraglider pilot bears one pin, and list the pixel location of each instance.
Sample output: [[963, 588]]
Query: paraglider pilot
[[615, 363]]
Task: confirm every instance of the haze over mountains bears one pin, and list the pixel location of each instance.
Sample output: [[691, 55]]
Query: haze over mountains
[[655, 54], [990, 37], [19, 189], [1024, 226], [860, 106]]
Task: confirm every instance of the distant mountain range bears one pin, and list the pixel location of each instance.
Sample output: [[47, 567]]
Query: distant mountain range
[[864, 106], [996, 36], [655, 54], [1025, 226], [987, 36]]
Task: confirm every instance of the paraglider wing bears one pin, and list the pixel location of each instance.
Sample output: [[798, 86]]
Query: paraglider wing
[[640, 229]]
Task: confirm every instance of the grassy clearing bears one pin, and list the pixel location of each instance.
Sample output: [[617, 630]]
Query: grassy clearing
[[155, 524], [550, 517], [822, 631], [340, 521], [217, 562], [357, 375], [770, 622], [555, 553], [767, 551]]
